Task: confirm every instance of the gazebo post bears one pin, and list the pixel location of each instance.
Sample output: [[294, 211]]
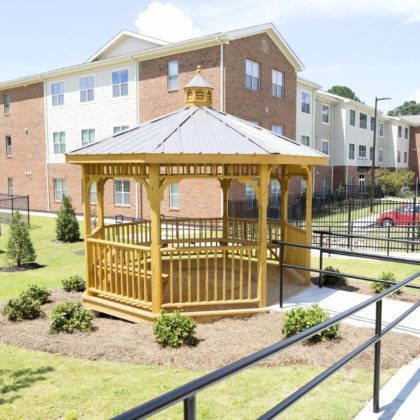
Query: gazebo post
[[262, 233], [88, 228], [155, 246], [308, 221], [100, 187], [225, 184], [284, 183]]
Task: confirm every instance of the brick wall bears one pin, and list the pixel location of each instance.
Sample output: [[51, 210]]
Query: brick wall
[[26, 125]]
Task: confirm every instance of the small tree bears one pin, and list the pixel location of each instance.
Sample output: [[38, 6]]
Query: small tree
[[67, 227], [20, 249], [392, 182]]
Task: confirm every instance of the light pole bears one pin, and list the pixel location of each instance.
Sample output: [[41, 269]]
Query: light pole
[[372, 186]]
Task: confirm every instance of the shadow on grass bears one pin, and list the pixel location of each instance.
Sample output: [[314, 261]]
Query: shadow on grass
[[11, 382], [24, 267]]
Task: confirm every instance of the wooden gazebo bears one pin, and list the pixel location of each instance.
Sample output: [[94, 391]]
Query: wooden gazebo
[[209, 267]]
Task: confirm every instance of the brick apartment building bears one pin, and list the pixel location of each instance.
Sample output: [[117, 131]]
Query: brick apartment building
[[130, 80]]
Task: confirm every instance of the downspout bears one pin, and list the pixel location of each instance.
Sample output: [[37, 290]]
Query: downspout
[[222, 78], [346, 171], [313, 140], [47, 150], [332, 149], [137, 83]]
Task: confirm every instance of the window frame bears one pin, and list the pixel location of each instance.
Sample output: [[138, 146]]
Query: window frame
[[123, 192], [327, 142], [306, 136], [364, 120], [58, 95], [302, 93], [93, 197], [87, 90], [352, 117], [362, 147], [372, 123], [405, 158], [117, 129], [349, 152], [90, 141], [9, 148], [10, 186], [171, 77], [119, 84], [60, 143], [173, 205], [406, 133], [380, 155], [399, 134], [62, 190], [8, 101], [398, 156], [324, 184], [276, 128], [381, 124], [275, 87], [252, 77], [328, 114]]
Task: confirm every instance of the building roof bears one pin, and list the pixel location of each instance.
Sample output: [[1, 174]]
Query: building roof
[[198, 131], [412, 119]]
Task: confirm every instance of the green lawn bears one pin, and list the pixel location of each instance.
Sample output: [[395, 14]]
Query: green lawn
[[59, 259], [44, 386]]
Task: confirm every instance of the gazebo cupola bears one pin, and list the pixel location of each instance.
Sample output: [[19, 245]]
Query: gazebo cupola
[[198, 92]]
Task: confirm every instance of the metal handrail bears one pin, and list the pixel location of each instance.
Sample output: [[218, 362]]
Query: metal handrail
[[187, 392]]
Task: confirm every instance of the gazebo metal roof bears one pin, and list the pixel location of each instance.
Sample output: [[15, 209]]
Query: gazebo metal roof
[[198, 130]]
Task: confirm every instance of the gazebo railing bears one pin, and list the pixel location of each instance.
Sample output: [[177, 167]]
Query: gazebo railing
[[214, 275], [128, 233]]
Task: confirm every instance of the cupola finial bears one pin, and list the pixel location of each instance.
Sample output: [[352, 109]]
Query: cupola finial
[[198, 92]]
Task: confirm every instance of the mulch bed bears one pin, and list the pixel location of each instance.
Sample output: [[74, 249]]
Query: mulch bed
[[218, 344], [24, 267]]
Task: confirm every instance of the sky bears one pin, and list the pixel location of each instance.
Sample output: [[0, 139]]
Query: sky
[[369, 45]]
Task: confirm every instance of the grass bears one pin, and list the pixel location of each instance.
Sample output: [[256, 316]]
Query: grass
[[60, 260], [44, 386]]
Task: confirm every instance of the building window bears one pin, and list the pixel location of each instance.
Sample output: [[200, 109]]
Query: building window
[[324, 184], [57, 94], [306, 102], [325, 147], [399, 156], [249, 192], [381, 129], [371, 153], [252, 75], [9, 150], [120, 128], [362, 182], [93, 193], [325, 114], [302, 185], [405, 157], [275, 190], [120, 83], [60, 189], [174, 196], [278, 129], [363, 120], [399, 131], [59, 140], [122, 192], [351, 151], [353, 117], [362, 151], [10, 186], [406, 133], [305, 140], [88, 136], [277, 83], [87, 89], [6, 103], [173, 75], [381, 156], [372, 123]]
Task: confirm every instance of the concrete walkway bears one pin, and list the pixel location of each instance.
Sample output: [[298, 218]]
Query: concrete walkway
[[399, 399], [337, 301]]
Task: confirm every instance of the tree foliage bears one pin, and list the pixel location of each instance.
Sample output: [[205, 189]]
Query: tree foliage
[[67, 227], [392, 181], [344, 91], [20, 249], [407, 108]]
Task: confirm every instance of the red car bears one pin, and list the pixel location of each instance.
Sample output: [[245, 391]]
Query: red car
[[402, 216]]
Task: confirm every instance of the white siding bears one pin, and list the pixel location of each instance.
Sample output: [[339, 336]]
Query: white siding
[[304, 121], [102, 114], [127, 45]]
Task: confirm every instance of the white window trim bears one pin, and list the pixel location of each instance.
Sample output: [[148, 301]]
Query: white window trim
[[9, 155], [379, 129], [171, 205], [355, 117], [177, 76], [4, 104], [282, 85], [94, 88], [310, 140], [358, 152], [10, 186], [65, 144], [277, 126], [302, 91], [354, 152], [360, 120], [64, 93], [253, 77], [81, 136], [63, 190], [327, 142], [322, 114], [124, 192], [379, 155], [128, 82]]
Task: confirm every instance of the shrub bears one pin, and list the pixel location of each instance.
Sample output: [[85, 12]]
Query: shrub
[[20, 249], [393, 181], [380, 287], [38, 293], [174, 330], [300, 319], [70, 317], [67, 227], [330, 280], [74, 284], [23, 307]]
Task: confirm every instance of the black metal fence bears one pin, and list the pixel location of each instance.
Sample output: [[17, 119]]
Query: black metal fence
[[9, 204], [187, 393]]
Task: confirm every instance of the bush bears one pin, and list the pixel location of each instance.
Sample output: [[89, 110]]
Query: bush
[[67, 227], [74, 284], [20, 249], [330, 280], [300, 319], [38, 293], [23, 307], [174, 330], [380, 287], [393, 181], [70, 317]]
